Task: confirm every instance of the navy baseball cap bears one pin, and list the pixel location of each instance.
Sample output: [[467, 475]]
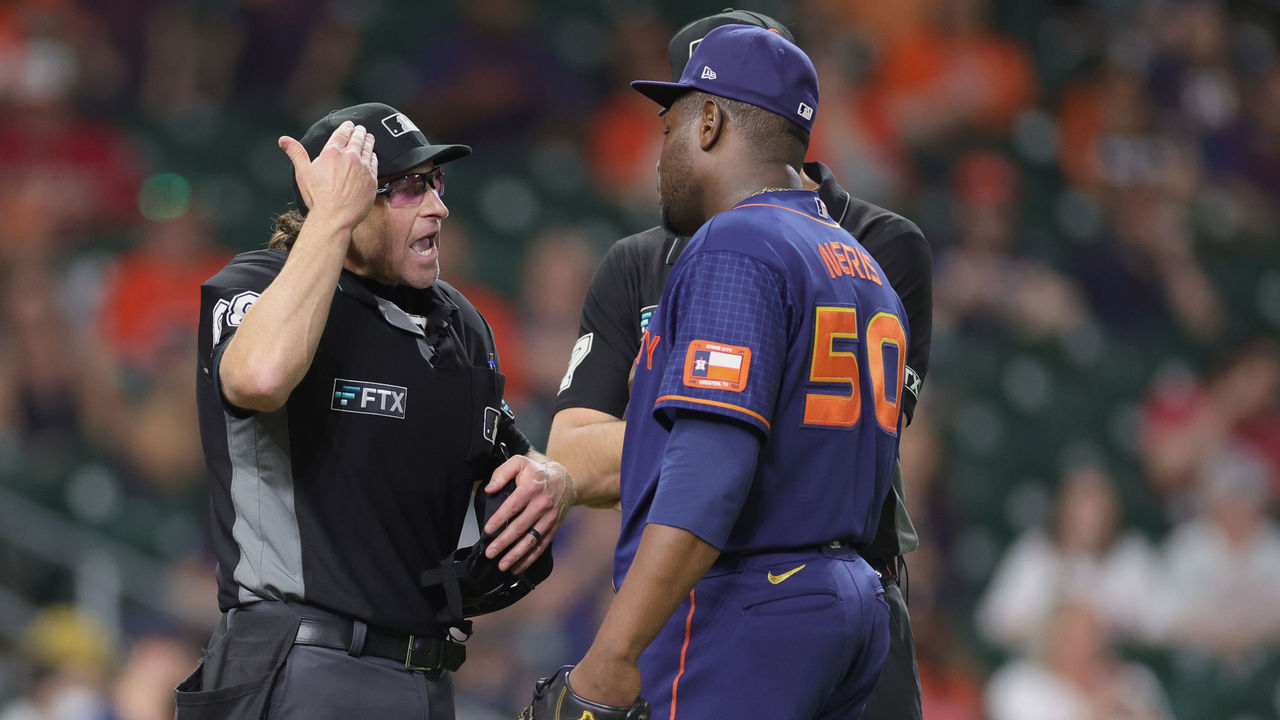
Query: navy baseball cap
[[749, 64], [398, 143], [687, 39]]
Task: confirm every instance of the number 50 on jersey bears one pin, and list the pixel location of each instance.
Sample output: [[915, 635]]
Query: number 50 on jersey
[[834, 370]]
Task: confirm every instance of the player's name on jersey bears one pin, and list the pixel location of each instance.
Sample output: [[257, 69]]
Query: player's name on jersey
[[843, 260]]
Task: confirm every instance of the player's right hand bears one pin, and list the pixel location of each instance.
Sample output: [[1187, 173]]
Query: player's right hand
[[342, 179], [553, 699]]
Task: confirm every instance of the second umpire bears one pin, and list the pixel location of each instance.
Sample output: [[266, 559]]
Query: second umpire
[[587, 430]]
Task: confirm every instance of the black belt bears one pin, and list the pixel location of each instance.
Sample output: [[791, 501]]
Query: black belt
[[417, 653]]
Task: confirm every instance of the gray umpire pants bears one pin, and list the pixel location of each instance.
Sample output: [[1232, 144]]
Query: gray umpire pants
[[252, 670], [318, 683]]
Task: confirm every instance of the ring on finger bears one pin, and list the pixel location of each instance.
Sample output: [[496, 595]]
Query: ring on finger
[[537, 536]]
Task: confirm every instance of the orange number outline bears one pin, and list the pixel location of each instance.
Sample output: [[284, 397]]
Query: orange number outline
[[884, 328], [834, 366], [829, 365]]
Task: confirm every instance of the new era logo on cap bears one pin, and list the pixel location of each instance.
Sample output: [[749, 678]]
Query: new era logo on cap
[[805, 111], [708, 73], [398, 124]]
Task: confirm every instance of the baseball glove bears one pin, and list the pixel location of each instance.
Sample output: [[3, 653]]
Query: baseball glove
[[553, 699]]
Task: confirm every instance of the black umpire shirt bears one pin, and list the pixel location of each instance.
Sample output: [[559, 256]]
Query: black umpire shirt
[[341, 498], [627, 285]]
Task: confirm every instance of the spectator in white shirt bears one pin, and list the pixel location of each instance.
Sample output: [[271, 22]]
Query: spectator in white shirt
[[1085, 555]]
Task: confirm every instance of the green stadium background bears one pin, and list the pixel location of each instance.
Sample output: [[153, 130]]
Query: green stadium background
[[1093, 467]]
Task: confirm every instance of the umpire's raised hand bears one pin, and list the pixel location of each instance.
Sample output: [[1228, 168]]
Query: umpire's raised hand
[[342, 179]]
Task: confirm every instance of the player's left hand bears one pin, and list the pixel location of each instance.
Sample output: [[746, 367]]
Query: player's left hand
[[544, 493], [609, 680]]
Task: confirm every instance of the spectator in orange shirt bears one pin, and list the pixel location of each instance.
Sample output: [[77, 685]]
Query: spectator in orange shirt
[[952, 76], [153, 292]]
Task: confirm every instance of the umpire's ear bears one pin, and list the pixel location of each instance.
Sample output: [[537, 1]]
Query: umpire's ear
[[710, 123]]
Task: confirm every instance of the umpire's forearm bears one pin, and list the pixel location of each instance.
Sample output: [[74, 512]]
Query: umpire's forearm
[[274, 346], [589, 444]]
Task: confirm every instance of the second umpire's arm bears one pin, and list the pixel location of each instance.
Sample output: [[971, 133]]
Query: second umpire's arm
[[586, 432]]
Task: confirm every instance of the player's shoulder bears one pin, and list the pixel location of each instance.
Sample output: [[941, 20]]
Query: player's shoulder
[[249, 269], [741, 234], [739, 229], [764, 231]]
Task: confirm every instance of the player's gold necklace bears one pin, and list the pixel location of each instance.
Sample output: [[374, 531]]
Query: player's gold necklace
[[761, 191]]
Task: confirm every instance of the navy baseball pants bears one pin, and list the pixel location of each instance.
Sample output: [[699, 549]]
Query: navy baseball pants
[[795, 635]]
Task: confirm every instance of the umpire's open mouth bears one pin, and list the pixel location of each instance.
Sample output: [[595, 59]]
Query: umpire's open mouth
[[424, 245]]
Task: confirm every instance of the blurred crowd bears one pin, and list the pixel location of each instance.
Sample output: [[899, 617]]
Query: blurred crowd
[[1094, 464]]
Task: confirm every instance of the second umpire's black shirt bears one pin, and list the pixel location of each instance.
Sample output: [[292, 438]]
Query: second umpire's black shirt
[[627, 285], [343, 497]]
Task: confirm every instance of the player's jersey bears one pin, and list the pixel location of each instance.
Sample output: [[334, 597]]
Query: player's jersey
[[776, 317]]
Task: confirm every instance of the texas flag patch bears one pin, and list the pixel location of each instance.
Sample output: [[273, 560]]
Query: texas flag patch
[[717, 367]]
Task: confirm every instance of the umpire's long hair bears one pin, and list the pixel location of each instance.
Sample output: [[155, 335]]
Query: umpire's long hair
[[288, 225]]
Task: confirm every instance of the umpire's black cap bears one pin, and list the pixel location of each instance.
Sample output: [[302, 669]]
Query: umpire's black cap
[[398, 143], [686, 40]]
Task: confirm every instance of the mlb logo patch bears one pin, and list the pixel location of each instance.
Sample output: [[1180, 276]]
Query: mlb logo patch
[[805, 111], [398, 124], [717, 367]]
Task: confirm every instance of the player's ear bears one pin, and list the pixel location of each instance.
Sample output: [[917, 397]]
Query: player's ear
[[710, 123]]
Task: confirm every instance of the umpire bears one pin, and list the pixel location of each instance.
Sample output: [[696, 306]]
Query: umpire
[[587, 431], [349, 402]]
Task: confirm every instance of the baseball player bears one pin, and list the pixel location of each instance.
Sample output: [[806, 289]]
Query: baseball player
[[586, 434], [763, 426]]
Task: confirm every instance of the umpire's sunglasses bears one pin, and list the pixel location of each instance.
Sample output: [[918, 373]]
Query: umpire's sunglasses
[[409, 190]]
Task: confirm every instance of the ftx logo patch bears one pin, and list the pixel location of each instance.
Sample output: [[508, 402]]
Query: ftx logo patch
[[646, 314], [369, 398]]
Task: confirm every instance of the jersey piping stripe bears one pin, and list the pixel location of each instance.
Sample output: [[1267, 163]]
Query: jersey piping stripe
[[684, 651], [716, 403], [783, 207]]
